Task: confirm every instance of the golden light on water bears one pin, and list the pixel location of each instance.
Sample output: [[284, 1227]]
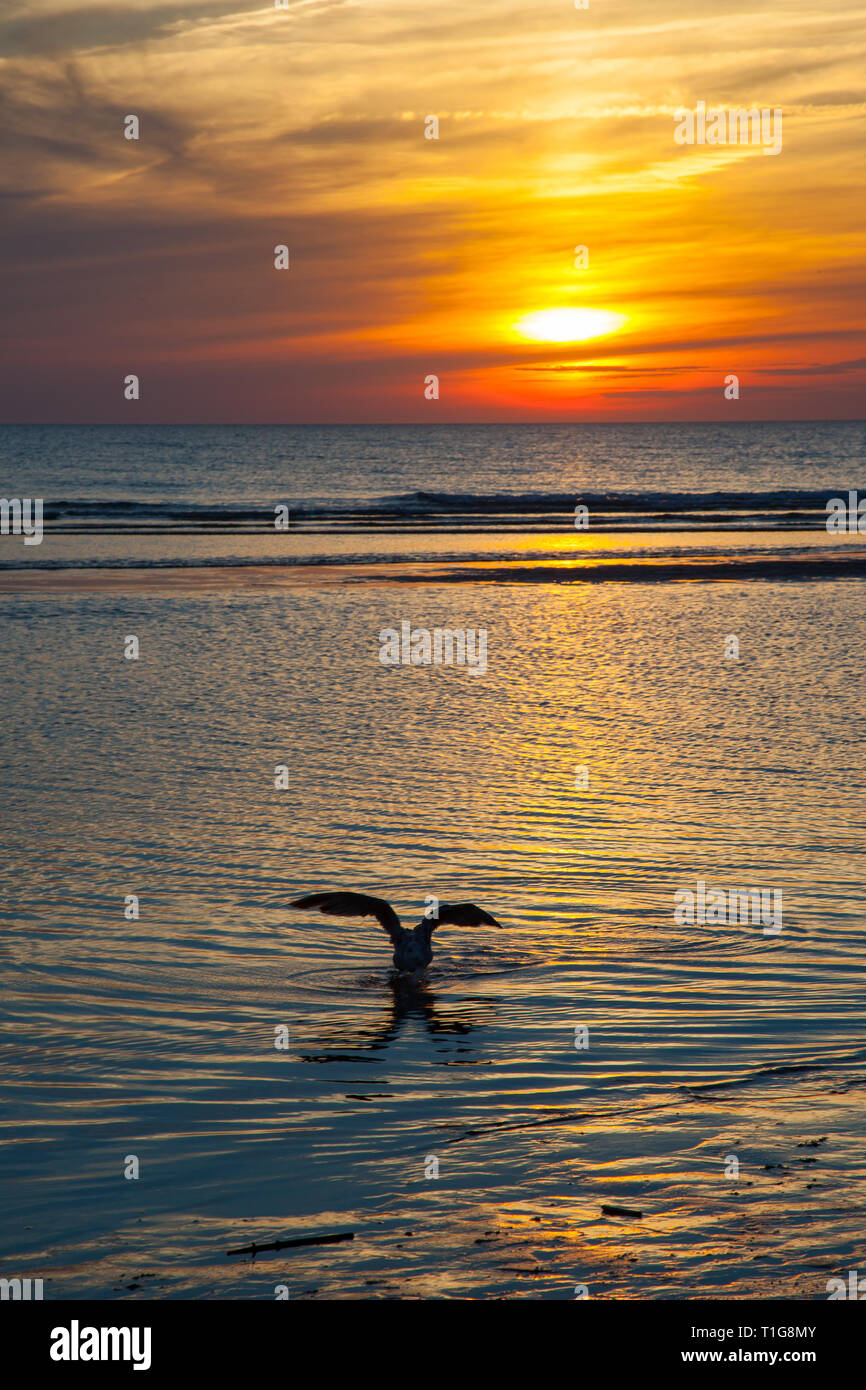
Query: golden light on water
[[568, 325]]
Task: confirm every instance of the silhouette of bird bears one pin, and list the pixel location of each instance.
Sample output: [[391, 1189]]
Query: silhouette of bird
[[412, 948]]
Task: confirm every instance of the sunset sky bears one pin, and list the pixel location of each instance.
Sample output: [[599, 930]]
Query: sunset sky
[[409, 256]]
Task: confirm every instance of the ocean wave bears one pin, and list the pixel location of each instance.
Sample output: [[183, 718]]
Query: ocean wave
[[449, 510]]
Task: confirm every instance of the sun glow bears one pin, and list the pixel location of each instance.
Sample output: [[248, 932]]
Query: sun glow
[[568, 325]]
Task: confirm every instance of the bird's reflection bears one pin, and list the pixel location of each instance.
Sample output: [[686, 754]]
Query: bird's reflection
[[413, 998], [410, 997]]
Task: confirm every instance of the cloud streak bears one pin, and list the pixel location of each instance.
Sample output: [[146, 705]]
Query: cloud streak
[[306, 127]]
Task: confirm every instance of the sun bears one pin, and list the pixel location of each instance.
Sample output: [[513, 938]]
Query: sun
[[568, 325]]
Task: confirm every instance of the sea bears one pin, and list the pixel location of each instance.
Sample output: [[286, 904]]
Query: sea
[[629, 1089]]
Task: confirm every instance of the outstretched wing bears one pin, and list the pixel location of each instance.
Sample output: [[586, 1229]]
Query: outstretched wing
[[354, 905], [464, 915]]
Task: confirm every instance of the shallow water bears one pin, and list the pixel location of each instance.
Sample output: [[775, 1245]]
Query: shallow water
[[156, 1037]]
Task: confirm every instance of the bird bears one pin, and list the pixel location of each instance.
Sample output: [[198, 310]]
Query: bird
[[412, 946]]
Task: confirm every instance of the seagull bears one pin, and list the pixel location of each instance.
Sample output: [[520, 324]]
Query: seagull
[[412, 948]]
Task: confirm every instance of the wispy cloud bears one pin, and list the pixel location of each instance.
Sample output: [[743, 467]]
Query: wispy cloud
[[306, 126]]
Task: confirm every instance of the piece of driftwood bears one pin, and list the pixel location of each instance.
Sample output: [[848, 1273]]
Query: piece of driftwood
[[620, 1211], [288, 1244]]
